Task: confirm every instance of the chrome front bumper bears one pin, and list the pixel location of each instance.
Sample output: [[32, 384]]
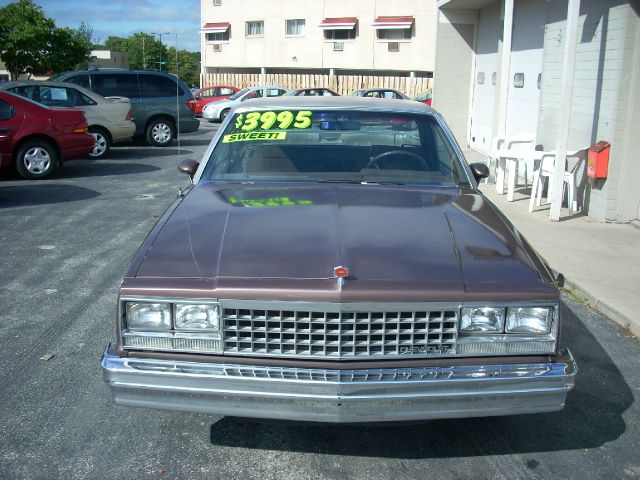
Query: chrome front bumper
[[340, 396]]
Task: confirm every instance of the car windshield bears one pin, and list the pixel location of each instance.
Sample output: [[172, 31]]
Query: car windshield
[[238, 94], [335, 146]]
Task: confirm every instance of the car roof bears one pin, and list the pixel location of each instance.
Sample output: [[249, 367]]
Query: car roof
[[53, 83], [266, 86], [342, 102], [20, 98]]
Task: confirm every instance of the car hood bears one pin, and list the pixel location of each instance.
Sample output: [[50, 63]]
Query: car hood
[[432, 243]]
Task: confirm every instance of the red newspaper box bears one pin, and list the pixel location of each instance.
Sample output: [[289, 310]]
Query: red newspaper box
[[598, 160]]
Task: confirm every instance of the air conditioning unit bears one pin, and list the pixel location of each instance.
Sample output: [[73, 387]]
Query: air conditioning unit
[[217, 47], [393, 46], [217, 3], [338, 46]]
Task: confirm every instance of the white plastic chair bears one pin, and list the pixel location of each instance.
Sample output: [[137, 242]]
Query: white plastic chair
[[545, 170], [508, 152]]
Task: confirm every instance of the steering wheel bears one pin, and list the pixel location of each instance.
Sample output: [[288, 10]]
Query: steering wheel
[[373, 163]]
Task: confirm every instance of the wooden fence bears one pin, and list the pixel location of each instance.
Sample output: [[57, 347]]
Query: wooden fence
[[343, 84]]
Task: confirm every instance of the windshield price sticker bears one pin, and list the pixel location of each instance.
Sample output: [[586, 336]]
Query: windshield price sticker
[[269, 120], [246, 137]]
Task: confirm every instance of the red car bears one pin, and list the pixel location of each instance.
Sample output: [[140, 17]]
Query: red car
[[425, 97], [211, 94], [36, 139]]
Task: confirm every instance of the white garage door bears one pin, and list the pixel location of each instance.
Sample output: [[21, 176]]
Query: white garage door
[[526, 66], [484, 88]]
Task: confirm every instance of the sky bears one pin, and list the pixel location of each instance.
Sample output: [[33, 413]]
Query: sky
[[124, 17]]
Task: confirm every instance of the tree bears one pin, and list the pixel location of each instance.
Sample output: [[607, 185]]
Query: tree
[[145, 52], [188, 65], [71, 48], [117, 44], [30, 42], [24, 37]]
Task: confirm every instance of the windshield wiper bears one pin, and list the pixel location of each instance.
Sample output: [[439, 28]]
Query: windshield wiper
[[339, 181], [383, 182]]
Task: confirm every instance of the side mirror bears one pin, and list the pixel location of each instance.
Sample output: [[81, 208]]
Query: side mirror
[[189, 167], [198, 97], [479, 170]]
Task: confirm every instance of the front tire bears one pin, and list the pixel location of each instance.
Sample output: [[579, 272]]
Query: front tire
[[223, 114], [160, 132], [36, 159], [103, 143]]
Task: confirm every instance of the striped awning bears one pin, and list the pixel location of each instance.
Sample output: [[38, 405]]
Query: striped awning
[[343, 23], [215, 27], [381, 23]]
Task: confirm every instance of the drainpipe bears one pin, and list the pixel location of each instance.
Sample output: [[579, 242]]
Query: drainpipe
[[571, 41]]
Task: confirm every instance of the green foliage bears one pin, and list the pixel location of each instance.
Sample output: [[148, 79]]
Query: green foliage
[[24, 37], [31, 43], [117, 44], [71, 48], [188, 67], [145, 53]]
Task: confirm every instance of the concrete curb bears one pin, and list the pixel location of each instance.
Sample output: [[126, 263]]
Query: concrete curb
[[631, 325]]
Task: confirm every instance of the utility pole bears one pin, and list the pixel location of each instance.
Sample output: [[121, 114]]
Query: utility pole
[[160, 35]]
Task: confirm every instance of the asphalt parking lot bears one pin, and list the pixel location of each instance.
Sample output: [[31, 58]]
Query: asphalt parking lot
[[67, 241]]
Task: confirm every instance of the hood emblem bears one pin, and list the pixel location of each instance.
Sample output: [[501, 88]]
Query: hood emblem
[[340, 273]]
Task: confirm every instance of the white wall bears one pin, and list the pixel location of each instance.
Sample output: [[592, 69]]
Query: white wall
[[601, 92], [311, 51]]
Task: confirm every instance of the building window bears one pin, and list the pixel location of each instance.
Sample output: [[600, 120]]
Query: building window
[[340, 34], [394, 34], [493, 78], [218, 36], [217, 3], [295, 27], [480, 78], [255, 28]]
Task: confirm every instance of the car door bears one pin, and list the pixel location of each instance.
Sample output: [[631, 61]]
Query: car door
[[10, 123], [124, 85], [203, 98]]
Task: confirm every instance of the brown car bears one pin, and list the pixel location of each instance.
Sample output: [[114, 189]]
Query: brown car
[[334, 261]]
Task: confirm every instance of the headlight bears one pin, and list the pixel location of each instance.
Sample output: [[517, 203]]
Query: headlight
[[482, 320], [197, 316], [175, 326], [149, 316], [529, 320]]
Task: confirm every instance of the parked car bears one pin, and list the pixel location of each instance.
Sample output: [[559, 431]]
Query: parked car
[[110, 120], [153, 100], [425, 97], [35, 139], [217, 111], [380, 93], [207, 95], [314, 92], [335, 261]]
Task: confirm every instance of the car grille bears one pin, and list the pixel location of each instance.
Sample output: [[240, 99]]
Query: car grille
[[340, 334]]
